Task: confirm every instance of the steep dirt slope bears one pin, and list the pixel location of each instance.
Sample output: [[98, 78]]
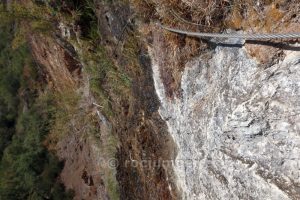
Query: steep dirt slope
[[141, 132]]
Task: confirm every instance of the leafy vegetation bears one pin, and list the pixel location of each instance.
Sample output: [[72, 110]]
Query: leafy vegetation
[[27, 169], [11, 64], [35, 18]]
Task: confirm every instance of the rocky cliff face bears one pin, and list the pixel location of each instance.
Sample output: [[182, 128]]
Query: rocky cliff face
[[236, 125]]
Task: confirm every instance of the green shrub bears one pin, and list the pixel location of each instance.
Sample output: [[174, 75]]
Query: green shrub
[[27, 169]]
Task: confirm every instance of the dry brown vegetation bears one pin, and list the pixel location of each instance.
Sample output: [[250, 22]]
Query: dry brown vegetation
[[215, 15], [208, 16]]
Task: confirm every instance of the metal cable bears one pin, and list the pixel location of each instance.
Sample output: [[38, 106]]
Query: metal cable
[[235, 35]]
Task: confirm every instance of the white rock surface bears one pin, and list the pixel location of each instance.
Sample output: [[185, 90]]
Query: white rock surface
[[237, 126]]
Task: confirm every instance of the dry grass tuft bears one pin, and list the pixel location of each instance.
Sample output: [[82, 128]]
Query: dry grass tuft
[[208, 14]]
